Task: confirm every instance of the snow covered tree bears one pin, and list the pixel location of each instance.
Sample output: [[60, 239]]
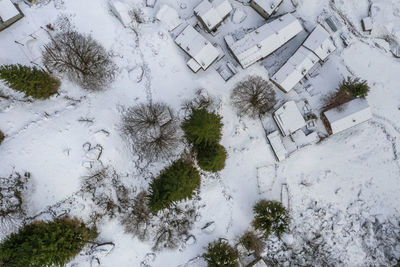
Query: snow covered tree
[[202, 127], [253, 97], [81, 58], [31, 81], [220, 253], [45, 243], [354, 86], [175, 183], [271, 217], [153, 129], [211, 158]]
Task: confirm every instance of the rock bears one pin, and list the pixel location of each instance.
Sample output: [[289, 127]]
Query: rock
[[87, 164], [95, 152], [209, 227], [99, 252], [191, 240], [86, 146]]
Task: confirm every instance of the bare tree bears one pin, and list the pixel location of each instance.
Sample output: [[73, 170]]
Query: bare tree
[[253, 97], [153, 129], [82, 58]]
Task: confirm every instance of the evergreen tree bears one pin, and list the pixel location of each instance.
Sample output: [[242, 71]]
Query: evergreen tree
[[29, 80], [211, 158], [175, 183], [202, 127], [271, 217], [45, 243], [355, 87], [221, 254], [1, 137]]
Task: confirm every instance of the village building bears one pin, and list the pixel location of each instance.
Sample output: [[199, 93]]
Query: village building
[[265, 7], [9, 14], [316, 48], [347, 115], [288, 118], [367, 24], [276, 143], [263, 41], [202, 52], [212, 14]]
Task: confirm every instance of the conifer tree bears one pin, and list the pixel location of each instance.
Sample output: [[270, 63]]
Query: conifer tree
[[211, 158], [1, 137], [31, 81], [220, 254]]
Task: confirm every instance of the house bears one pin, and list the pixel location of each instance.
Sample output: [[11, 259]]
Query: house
[[347, 115], [202, 52], [121, 11], [288, 118], [279, 149], [169, 17], [265, 7], [212, 14], [316, 48], [263, 41], [9, 14]]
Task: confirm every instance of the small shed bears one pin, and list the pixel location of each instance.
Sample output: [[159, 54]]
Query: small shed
[[279, 149], [265, 7], [367, 24], [288, 118], [169, 16], [121, 11], [9, 14], [212, 14], [348, 115], [201, 50]]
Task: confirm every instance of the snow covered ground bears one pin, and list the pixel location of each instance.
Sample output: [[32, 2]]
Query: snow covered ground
[[342, 192]]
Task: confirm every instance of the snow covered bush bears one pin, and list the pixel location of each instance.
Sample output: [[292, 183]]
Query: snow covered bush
[[45, 243], [175, 183], [1, 137], [153, 129], [211, 158], [202, 127], [29, 80], [252, 242], [220, 253], [271, 217], [253, 97], [81, 58]]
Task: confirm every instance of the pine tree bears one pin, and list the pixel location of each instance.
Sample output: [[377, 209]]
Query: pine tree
[[176, 182], [219, 254], [271, 217], [29, 80], [211, 158], [1, 137], [202, 127], [45, 243]]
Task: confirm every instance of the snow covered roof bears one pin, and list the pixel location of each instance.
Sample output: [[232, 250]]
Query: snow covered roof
[[260, 263], [213, 13], [121, 11], [348, 115], [295, 69], [320, 43], [367, 24], [169, 17], [264, 40], [268, 6], [198, 47], [279, 149], [288, 118], [7, 10]]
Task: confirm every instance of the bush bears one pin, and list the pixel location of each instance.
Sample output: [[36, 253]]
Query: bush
[[355, 86], [220, 254], [253, 97], [1, 137], [175, 183], [29, 80], [202, 127], [211, 158], [153, 129], [82, 58], [252, 242], [45, 243], [271, 217]]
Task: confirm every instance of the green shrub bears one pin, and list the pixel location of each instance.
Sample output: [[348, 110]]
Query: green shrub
[[29, 80], [175, 183], [221, 254], [211, 158], [355, 86], [45, 243], [271, 217], [202, 127], [1, 137]]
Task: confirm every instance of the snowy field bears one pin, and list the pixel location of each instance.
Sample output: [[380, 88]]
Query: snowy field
[[342, 193]]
